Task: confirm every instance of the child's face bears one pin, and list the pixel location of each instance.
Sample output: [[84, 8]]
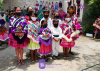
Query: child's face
[[68, 16], [44, 23], [32, 15], [70, 10], [56, 14], [55, 24], [46, 13]]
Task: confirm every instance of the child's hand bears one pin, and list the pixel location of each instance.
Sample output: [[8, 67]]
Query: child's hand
[[57, 40], [45, 35]]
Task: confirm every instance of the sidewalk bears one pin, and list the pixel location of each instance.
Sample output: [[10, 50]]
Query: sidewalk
[[87, 53]]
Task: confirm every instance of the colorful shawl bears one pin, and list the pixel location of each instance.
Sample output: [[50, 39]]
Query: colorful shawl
[[33, 29], [13, 27]]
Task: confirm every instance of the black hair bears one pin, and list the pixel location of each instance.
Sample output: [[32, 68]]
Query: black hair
[[67, 14], [27, 11], [70, 7], [54, 20], [43, 22], [34, 14], [46, 11], [16, 8], [55, 13]]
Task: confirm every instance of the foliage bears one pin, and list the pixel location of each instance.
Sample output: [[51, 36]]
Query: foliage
[[1, 6], [93, 10], [87, 28]]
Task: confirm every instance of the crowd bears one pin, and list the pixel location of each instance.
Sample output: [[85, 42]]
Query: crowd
[[44, 36]]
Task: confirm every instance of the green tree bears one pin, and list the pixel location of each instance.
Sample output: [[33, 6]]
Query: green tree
[[1, 6], [93, 10]]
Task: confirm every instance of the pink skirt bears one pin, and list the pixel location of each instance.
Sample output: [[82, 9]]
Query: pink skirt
[[15, 44], [66, 44], [4, 37], [44, 50]]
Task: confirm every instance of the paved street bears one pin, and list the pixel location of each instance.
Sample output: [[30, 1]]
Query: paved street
[[87, 53]]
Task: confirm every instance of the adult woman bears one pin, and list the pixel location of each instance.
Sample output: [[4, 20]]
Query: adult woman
[[29, 12], [18, 34]]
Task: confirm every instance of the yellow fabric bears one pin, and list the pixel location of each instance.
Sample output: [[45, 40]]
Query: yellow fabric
[[32, 45]]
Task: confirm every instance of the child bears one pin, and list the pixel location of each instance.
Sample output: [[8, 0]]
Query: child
[[33, 29], [76, 22], [96, 24], [45, 44], [3, 31], [56, 16], [46, 17], [56, 34], [68, 28]]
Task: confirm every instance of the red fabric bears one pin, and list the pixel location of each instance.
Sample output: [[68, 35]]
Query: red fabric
[[15, 44], [45, 49], [66, 44]]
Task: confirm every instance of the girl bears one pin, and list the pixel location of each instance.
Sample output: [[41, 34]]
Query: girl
[[96, 24], [76, 22], [68, 28], [33, 26], [56, 16], [18, 22], [45, 40]]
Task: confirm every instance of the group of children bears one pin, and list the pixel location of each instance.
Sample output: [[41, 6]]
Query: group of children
[[45, 36]]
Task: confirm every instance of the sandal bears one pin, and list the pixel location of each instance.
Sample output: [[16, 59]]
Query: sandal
[[64, 56], [36, 59], [67, 56], [22, 62], [19, 63], [32, 59]]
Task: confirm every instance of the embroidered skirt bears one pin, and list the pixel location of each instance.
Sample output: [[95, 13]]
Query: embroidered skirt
[[15, 44], [33, 46], [66, 44], [45, 49]]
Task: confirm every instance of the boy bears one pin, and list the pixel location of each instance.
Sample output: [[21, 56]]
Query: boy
[[46, 17], [56, 35]]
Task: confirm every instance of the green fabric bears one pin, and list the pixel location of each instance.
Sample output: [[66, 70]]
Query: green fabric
[[40, 14], [7, 19], [32, 45]]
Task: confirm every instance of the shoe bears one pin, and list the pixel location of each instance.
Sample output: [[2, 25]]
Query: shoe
[[57, 57], [0, 44], [54, 58], [46, 60], [71, 53]]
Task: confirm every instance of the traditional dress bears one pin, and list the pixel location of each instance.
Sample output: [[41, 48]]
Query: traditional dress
[[3, 31], [68, 29], [97, 25], [33, 29], [45, 44], [14, 40], [56, 33], [78, 26]]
